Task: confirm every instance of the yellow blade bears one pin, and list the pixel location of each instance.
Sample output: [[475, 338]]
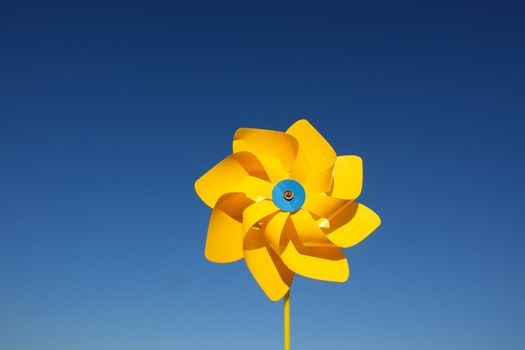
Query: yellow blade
[[266, 267], [322, 205], [347, 177], [224, 242], [273, 230], [275, 150], [239, 172], [255, 213], [351, 225], [307, 230], [301, 169], [322, 263], [319, 157]]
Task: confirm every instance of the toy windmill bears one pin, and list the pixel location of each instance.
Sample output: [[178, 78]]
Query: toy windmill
[[284, 201]]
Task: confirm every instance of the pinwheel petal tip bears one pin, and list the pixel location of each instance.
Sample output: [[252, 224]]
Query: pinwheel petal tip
[[201, 192], [347, 177]]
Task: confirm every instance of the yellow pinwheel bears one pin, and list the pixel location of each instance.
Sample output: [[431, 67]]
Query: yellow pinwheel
[[284, 201]]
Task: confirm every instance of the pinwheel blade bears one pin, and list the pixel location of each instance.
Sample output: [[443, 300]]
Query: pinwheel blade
[[224, 241], [351, 225], [323, 206], [256, 212], [271, 274], [275, 150], [273, 230], [318, 153], [239, 172], [308, 231], [347, 177], [322, 263]]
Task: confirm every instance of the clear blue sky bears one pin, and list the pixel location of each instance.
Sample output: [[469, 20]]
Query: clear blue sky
[[110, 110]]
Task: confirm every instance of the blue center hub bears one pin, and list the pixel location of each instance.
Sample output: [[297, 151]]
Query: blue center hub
[[288, 195]]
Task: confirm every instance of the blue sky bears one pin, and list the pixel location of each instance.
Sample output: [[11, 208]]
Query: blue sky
[[110, 110]]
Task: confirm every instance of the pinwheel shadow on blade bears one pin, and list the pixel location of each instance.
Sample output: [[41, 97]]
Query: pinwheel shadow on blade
[[285, 203]]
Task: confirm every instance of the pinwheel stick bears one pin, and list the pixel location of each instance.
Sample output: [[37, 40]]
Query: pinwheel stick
[[287, 321]]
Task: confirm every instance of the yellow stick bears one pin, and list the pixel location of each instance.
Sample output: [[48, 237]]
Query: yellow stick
[[287, 321]]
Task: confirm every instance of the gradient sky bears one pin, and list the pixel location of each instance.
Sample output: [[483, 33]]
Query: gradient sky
[[110, 110]]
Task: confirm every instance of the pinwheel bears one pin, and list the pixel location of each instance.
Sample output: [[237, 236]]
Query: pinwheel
[[285, 202]]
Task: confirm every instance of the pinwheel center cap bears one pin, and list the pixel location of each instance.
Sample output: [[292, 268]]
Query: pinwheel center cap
[[288, 195]]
